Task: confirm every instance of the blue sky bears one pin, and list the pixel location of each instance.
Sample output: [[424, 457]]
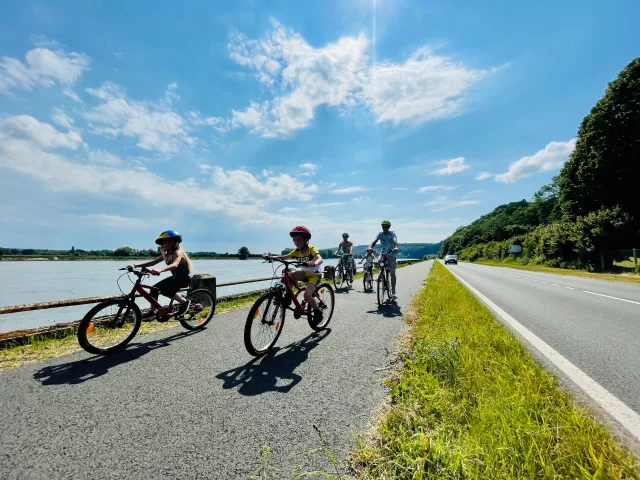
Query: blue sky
[[232, 122]]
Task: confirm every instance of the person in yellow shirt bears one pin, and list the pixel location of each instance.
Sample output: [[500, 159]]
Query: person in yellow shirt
[[310, 272]]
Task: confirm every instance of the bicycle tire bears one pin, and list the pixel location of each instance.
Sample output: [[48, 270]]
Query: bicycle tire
[[270, 298], [196, 321], [349, 276], [88, 324], [381, 287], [323, 292], [338, 277]]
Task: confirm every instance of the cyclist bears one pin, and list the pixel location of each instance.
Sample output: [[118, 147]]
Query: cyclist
[[310, 272], [389, 243], [347, 248], [368, 260], [178, 263]]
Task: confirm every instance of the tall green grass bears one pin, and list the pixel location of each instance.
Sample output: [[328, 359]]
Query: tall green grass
[[470, 402]]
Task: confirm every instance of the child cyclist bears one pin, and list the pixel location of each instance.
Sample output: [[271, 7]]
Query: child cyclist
[[310, 272], [178, 263], [368, 260]]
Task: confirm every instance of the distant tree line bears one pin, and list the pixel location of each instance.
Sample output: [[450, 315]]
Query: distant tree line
[[590, 211]]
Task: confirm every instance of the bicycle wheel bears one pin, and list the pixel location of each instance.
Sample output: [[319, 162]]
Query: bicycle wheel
[[383, 288], [338, 277], [264, 324], [201, 310], [349, 276], [109, 326], [326, 301]]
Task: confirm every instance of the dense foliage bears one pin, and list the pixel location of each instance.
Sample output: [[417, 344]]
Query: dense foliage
[[589, 211]]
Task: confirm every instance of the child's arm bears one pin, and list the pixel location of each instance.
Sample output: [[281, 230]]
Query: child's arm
[[316, 261], [147, 264], [277, 257], [173, 265]]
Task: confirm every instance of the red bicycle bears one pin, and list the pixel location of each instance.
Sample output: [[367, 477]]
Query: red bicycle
[[266, 317], [111, 324]]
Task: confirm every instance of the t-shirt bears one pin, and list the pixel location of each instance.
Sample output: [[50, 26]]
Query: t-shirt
[[386, 240], [306, 255]]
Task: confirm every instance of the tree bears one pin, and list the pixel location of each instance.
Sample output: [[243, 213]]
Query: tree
[[123, 252], [603, 165], [243, 253]]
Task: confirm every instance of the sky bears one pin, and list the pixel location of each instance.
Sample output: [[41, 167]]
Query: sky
[[232, 122]]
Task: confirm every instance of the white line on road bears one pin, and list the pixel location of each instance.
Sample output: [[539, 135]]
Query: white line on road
[[628, 418], [609, 296]]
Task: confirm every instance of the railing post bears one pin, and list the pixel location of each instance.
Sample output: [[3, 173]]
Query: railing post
[[206, 281]]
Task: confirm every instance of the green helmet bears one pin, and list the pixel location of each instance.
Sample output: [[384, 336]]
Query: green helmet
[[345, 234], [385, 223]]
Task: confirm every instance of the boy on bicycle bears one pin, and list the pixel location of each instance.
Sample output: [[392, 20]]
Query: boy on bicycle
[[310, 271], [347, 248], [389, 243]]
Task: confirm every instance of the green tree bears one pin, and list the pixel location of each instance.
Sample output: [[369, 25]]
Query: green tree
[[602, 169], [243, 253], [123, 252]]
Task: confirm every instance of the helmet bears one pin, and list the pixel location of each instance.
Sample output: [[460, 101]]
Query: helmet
[[300, 230], [369, 249], [385, 223], [345, 234], [169, 234]]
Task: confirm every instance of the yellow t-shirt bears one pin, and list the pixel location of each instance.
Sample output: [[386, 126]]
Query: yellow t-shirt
[[306, 255]]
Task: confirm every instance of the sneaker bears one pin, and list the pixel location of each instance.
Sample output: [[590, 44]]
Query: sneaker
[[317, 317], [394, 296], [183, 308]]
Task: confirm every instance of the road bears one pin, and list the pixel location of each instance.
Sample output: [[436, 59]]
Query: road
[[594, 324], [197, 405]]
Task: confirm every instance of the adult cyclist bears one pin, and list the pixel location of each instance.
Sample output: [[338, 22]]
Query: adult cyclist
[[347, 249], [389, 243]]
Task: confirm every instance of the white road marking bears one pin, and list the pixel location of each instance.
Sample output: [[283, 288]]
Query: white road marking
[[609, 296], [628, 418]]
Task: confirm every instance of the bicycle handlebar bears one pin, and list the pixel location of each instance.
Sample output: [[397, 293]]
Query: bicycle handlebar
[[140, 273]]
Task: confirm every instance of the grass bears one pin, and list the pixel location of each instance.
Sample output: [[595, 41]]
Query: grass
[[42, 348], [470, 402], [616, 277]]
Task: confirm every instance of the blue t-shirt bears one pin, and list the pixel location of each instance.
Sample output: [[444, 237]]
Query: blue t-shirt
[[386, 240]]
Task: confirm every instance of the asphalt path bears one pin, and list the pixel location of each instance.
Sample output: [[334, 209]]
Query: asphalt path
[[595, 324], [178, 404]]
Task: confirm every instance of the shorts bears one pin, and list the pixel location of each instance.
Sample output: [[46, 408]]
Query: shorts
[[312, 277], [390, 262], [169, 286]]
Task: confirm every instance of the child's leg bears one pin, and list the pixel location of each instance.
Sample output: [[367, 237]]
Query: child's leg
[[308, 295]]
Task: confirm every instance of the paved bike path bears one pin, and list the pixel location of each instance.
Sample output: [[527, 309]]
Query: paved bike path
[[196, 405]]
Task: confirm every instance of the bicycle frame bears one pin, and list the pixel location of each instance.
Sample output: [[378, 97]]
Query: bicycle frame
[[139, 288], [290, 284]]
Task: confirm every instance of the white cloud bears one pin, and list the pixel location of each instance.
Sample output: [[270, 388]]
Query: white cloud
[[425, 87], [443, 203], [399, 188], [435, 188], [26, 146], [115, 221], [472, 193], [483, 175], [155, 126], [329, 204], [339, 74], [309, 166], [62, 119], [287, 209], [350, 190], [456, 165], [551, 157], [72, 95], [42, 67]]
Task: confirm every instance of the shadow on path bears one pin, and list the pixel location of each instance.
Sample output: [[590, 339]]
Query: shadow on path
[[82, 370], [262, 374], [389, 310]]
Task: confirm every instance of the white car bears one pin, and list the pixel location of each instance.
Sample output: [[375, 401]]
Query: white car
[[450, 259]]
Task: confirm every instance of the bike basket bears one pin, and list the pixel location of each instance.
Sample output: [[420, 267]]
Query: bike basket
[[329, 272]]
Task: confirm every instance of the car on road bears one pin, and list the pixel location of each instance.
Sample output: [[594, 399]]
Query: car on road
[[450, 259]]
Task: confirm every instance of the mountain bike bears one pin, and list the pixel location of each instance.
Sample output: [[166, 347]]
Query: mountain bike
[[384, 282], [111, 324], [343, 272], [266, 318]]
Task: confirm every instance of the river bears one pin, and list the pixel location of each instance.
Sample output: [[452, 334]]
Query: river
[[46, 281]]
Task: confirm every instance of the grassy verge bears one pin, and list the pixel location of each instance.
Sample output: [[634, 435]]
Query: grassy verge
[[470, 402], [39, 348], [616, 277]]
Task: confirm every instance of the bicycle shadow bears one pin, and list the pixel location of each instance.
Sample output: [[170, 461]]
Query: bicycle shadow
[[389, 310], [261, 375], [80, 371]]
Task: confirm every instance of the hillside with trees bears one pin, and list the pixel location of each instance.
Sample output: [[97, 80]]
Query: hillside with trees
[[589, 212]]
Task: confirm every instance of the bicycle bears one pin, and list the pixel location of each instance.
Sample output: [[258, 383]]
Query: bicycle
[[102, 331], [343, 272], [367, 279], [268, 312], [384, 282]]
